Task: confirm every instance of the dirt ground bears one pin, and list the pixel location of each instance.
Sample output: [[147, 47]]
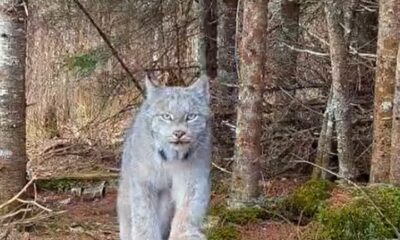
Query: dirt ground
[[97, 219]]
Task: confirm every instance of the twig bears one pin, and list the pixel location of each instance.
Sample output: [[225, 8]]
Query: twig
[[319, 54], [107, 41], [34, 203], [230, 125], [301, 103], [364, 55], [10, 215], [298, 224], [18, 194], [221, 168]]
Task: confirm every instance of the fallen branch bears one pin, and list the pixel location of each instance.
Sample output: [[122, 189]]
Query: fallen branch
[[35, 204], [13, 199]]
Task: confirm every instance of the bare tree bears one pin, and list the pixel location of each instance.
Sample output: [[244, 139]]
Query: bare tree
[[395, 151], [388, 39], [338, 108], [12, 98], [248, 152]]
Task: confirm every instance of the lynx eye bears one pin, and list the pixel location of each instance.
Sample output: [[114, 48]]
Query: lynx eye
[[191, 117], [166, 117]]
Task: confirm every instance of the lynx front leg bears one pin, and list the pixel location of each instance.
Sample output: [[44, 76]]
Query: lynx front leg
[[144, 205], [192, 199], [124, 210]]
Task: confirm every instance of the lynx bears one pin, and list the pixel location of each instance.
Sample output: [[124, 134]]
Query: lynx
[[164, 186]]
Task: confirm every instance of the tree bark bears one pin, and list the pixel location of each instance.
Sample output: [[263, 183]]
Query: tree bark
[[325, 143], [248, 152], [395, 150], [341, 86], [12, 99], [224, 87], [388, 39], [227, 40], [208, 38], [290, 11]]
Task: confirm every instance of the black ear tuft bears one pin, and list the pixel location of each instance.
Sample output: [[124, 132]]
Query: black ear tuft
[[151, 86]]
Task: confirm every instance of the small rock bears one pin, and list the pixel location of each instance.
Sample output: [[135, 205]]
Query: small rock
[[66, 201]]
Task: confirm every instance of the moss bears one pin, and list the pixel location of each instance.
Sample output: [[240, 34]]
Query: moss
[[217, 210], [309, 198], [224, 232], [239, 216], [359, 218], [61, 184], [85, 63], [68, 182], [244, 215], [387, 198], [353, 221]]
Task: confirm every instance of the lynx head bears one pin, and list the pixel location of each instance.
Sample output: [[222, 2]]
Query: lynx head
[[178, 117]]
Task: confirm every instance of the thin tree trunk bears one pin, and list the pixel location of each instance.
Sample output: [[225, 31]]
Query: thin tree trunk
[[227, 41], [290, 11], [207, 45], [12, 99], [248, 152], [341, 86], [395, 151], [388, 39], [224, 86], [325, 142]]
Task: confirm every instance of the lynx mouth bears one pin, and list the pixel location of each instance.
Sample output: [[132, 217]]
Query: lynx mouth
[[179, 143]]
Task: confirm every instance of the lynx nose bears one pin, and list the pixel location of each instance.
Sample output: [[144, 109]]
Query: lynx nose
[[179, 133]]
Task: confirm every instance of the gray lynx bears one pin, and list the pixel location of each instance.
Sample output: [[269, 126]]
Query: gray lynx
[[164, 187]]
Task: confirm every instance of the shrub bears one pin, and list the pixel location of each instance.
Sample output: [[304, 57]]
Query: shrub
[[309, 198]]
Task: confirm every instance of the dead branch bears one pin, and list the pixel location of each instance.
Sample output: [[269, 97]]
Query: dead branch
[[312, 52], [13, 199], [35, 204], [221, 168], [108, 42]]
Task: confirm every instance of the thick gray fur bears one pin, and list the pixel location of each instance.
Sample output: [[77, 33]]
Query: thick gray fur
[[164, 187]]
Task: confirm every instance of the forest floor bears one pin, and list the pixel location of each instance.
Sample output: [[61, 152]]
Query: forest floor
[[63, 166], [96, 218]]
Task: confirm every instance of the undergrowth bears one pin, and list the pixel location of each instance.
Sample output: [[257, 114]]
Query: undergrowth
[[371, 214], [309, 198]]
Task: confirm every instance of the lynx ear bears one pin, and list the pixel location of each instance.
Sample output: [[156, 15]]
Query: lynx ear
[[201, 87], [151, 87]]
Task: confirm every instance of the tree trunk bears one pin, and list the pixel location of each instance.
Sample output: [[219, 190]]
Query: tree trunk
[[224, 87], [290, 10], [341, 86], [12, 99], [325, 143], [388, 39], [208, 38], [395, 151], [227, 40], [248, 152]]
